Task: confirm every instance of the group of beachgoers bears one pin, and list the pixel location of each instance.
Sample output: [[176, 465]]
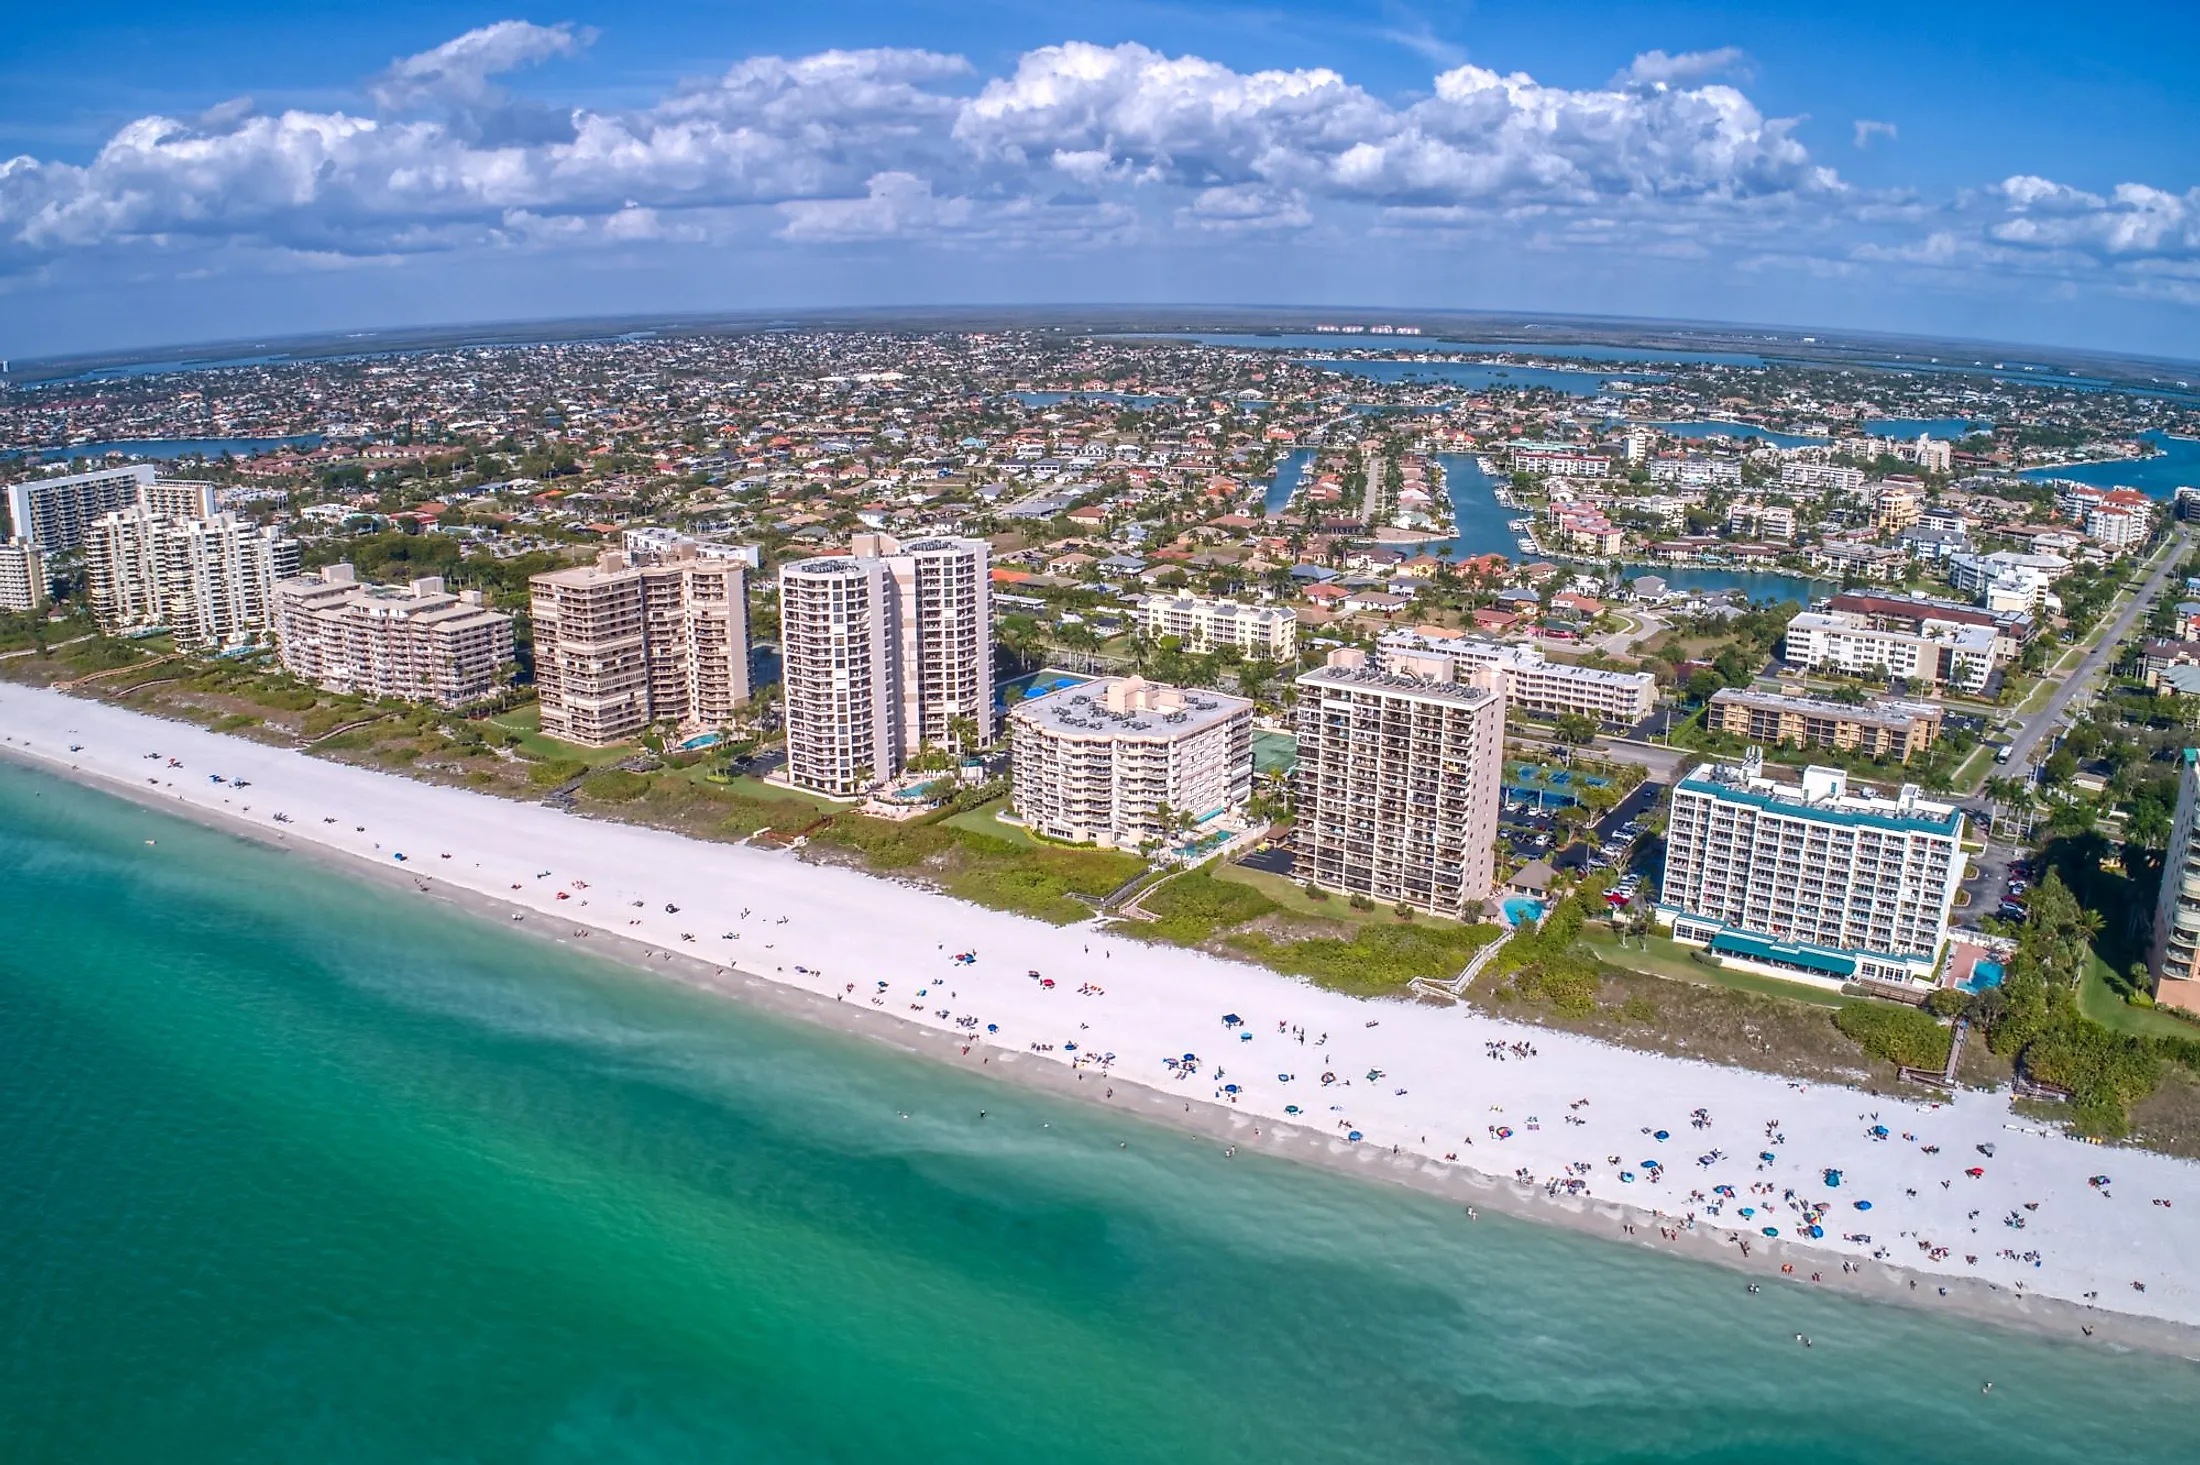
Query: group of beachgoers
[[1331, 1075]]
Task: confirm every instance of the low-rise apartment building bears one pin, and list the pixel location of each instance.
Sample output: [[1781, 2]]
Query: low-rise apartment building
[[1822, 477], [1938, 655], [1811, 880], [1264, 632], [1531, 681], [1399, 782], [415, 641], [1123, 762], [1557, 460], [628, 642], [1882, 729]]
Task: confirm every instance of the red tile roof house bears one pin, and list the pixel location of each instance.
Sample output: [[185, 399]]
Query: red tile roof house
[[1495, 620], [1328, 595]]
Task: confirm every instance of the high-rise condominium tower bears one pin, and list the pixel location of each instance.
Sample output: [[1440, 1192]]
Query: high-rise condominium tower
[[1399, 775], [639, 639], [207, 580], [883, 653]]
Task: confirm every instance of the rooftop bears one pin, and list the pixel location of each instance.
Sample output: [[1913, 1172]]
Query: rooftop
[[1128, 707], [1824, 795]]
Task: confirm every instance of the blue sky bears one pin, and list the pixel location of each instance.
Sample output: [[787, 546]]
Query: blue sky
[[2015, 171]]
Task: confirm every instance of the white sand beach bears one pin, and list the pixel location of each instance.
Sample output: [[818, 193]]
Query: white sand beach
[[1465, 1102]]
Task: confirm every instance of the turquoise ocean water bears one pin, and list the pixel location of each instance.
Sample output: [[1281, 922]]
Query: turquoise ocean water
[[297, 1169]]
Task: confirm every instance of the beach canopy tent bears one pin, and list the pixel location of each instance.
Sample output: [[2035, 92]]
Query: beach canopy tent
[[1780, 953]]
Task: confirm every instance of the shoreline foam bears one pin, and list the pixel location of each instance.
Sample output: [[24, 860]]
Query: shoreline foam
[[1182, 1104]]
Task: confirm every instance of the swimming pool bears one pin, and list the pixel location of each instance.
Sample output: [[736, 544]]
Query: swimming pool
[[702, 740], [1984, 974], [1520, 908]]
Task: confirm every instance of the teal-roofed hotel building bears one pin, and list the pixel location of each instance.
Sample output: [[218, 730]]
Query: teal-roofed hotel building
[[1811, 881]]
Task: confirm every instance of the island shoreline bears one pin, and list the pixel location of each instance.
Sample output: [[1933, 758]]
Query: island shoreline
[[1599, 1217]]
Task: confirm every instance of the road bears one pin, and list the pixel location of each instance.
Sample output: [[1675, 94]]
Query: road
[[2103, 654]]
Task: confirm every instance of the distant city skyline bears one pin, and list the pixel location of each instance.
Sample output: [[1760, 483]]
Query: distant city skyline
[[2017, 173]]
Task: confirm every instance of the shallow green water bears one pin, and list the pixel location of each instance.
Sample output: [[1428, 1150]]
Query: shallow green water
[[295, 1169]]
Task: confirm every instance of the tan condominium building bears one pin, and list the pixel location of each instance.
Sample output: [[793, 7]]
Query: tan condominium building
[[1399, 781], [1811, 880], [56, 513], [635, 640], [1264, 632], [23, 581], [2175, 958], [1121, 761], [1883, 729], [413, 641], [207, 581], [884, 653], [1532, 682]]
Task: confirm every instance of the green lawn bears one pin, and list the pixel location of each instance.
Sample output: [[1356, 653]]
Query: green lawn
[[2099, 1001], [533, 743], [980, 821], [1668, 958], [1290, 896]]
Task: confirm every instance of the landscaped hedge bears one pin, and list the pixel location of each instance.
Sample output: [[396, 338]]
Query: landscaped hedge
[[1896, 1034]]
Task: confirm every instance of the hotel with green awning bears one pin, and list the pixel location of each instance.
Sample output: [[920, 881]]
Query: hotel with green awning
[[1812, 881]]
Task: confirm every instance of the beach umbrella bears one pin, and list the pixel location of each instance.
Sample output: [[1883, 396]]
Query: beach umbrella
[[1231, 1020], [1353, 1135], [1290, 1108], [1817, 1232], [1766, 1156], [1283, 1078], [992, 1027], [1833, 1177], [1772, 1230], [1660, 1135], [1863, 1205]]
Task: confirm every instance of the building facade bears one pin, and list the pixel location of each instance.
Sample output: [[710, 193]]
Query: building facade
[[1533, 683], [414, 641], [632, 641], [1881, 729], [839, 642], [1811, 880], [55, 514], [1940, 654], [884, 653], [207, 581], [1265, 632], [2175, 957], [23, 582], [1399, 783], [1122, 762]]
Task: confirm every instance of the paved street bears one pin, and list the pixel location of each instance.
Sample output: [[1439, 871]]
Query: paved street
[[2037, 727]]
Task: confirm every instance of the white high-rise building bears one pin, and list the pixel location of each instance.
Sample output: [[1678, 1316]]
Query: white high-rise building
[[23, 582], [1812, 881], [1121, 761], [838, 647], [884, 653], [412, 641], [55, 513], [1399, 782], [208, 581]]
